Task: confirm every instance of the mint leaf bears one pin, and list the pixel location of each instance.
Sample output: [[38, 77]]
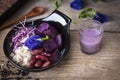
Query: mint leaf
[[89, 12], [83, 16], [89, 9]]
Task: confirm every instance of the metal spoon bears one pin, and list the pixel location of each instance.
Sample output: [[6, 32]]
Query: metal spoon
[[34, 12]]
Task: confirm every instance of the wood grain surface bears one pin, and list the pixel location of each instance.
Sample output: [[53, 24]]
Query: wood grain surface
[[105, 65]]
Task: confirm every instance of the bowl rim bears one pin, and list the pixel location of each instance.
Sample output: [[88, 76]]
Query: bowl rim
[[37, 69]]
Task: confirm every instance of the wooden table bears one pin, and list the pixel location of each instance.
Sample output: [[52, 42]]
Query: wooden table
[[105, 65]]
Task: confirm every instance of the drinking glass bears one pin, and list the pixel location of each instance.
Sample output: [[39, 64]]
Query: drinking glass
[[90, 32]]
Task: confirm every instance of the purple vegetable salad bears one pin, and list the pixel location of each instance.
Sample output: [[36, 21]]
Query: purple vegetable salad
[[36, 47]]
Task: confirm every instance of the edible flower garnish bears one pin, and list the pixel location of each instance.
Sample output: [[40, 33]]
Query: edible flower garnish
[[100, 17], [76, 4], [91, 13], [35, 41]]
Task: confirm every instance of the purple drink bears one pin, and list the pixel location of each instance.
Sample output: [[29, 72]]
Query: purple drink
[[90, 36], [90, 40]]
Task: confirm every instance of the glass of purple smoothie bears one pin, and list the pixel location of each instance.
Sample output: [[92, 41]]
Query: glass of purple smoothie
[[90, 32]]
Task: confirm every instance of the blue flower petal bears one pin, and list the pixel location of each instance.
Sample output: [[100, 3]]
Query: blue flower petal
[[76, 4], [100, 17], [33, 42]]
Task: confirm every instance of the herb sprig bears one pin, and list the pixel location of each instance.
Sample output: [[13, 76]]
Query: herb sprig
[[85, 13], [56, 3]]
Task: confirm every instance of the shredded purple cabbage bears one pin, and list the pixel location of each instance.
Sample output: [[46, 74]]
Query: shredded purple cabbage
[[22, 33]]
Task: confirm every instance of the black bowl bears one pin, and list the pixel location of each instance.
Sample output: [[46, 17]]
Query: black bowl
[[60, 26]]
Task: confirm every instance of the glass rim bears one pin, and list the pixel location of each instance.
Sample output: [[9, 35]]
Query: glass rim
[[101, 29]]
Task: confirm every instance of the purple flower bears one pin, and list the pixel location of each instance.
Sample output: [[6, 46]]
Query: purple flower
[[100, 17], [33, 42], [76, 4]]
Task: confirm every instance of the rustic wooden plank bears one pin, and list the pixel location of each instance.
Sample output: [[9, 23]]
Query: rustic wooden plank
[[79, 66], [109, 7]]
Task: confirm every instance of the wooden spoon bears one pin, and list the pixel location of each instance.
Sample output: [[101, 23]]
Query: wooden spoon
[[34, 12]]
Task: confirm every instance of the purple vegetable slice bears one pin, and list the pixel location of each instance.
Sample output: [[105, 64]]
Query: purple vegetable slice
[[50, 45], [42, 27], [51, 32], [59, 40], [55, 56]]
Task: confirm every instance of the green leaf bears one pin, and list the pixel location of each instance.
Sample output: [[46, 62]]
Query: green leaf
[[83, 12], [89, 9], [56, 4], [89, 12], [82, 16]]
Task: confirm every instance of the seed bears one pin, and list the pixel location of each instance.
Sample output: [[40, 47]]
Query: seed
[[46, 54], [36, 51], [41, 57], [46, 64], [38, 64], [32, 60]]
